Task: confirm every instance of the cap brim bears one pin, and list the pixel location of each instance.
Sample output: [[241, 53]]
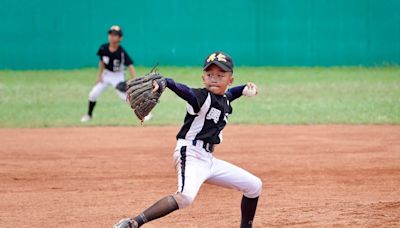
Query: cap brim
[[219, 64], [115, 32]]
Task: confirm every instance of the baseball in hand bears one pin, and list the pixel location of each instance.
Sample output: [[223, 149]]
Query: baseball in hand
[[250, 90]]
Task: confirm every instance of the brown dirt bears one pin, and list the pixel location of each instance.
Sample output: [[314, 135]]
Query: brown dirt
[[91, 177]]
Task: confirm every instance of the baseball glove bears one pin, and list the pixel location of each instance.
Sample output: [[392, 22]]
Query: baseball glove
[[144, 92], [121, 86]]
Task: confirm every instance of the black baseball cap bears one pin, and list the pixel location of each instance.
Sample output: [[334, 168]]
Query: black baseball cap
[[116, 30], [221, 59]]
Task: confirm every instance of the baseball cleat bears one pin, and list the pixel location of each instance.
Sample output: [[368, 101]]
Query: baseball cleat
[[86, 118], [126, 223]]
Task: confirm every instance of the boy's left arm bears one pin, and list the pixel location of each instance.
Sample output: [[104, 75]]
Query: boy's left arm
[[132, 71], [129, 63], [237, 91]]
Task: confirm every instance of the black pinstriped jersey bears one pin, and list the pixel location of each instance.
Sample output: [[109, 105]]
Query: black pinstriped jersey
[[207, 113], [207, 120], [114, 61]]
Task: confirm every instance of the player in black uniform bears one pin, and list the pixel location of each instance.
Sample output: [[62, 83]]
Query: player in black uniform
[[207, 114], [113, 59]]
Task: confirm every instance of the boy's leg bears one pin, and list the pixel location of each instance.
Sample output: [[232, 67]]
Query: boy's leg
[[121, 95], [248, 208], [94, 94], [230, 176], [191, 173], [114, 80], [160, 209]]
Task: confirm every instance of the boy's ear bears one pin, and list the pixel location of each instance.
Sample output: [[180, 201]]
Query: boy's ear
[[232, 79]]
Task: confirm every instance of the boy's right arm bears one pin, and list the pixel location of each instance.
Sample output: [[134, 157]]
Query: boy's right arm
[[101, 68], [183, 91]]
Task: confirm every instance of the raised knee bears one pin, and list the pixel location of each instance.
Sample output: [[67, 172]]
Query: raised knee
[[255, 189], [258, 185], [183, 200], [93, 95]]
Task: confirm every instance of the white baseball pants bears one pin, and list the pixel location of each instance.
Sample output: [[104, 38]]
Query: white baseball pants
[[108, 78], [194, 166]]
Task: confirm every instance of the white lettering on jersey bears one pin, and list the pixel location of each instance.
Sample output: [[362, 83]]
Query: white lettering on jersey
[[214, 115], [106, 60], [116, 65]]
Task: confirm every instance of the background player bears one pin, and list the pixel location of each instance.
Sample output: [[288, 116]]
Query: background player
[[207, 114], [113, 59]]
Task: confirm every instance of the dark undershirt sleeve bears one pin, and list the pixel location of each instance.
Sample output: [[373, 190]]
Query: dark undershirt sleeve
[[235, 92], [183, 91]]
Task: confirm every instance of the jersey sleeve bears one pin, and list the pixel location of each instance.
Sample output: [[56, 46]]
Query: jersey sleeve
[[194, 97], [234, 92], [201, 96], [100, 52], [127, 59]]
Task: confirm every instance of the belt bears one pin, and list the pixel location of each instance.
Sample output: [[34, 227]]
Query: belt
[[113, 72], [209, 147]]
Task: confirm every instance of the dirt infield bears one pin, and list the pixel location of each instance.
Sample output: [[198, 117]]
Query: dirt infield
[[91, 177]]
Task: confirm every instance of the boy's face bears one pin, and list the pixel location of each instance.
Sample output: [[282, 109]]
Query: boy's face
[[113, 38], [216, 80]]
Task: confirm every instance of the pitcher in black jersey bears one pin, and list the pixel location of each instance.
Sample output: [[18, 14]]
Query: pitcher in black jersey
[[207, 114], [112, 62]]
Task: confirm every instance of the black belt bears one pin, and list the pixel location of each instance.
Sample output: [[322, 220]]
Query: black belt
[[209, 147]]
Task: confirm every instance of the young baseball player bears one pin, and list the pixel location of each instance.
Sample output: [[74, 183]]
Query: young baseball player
[[207, 114], [113, 59]]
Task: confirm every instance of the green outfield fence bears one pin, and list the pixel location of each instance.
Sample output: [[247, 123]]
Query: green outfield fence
[[52, 34]]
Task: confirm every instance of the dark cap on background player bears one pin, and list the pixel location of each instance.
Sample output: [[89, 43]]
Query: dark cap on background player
[[221, 59], [116, 30]]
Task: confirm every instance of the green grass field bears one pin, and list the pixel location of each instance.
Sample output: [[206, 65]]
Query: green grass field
[[348, 95]]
